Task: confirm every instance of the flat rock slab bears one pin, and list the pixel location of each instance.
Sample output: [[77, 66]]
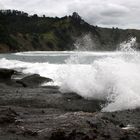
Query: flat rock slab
[[44, 113], [55, 124], [47, 97]]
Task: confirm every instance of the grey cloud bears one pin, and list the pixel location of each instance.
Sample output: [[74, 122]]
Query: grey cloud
[[111, 13], [109, 22], [108, 13], [114, 10]]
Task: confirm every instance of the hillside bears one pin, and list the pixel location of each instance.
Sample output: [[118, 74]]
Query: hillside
[[22, 32]]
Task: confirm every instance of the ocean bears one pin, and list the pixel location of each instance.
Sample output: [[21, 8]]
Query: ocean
[[110, 76]]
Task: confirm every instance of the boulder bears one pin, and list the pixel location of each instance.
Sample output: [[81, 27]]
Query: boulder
[[33, 80], [6, 78], [5, 74]]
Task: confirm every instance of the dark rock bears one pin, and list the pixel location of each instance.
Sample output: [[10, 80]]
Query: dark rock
[[81, 104], [13, 83], [71, 96], [42, 114], [58, 135], [33, 80], [6, 78], [121, 125], [21, 83], [7, 116], [18, 75], [29, 132], [113, 115], [74, 135], [5, 74], [42, 111]]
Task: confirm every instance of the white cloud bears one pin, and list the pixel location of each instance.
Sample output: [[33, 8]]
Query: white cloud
[[108, 13], [1, 6]]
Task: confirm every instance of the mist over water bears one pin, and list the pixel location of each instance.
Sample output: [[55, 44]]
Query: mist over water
[[85, 43], [110, 76]]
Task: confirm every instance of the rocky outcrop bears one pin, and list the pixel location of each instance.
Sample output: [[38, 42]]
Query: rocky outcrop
[[34, 80], [6, 77], [39, 113], [56, 124]]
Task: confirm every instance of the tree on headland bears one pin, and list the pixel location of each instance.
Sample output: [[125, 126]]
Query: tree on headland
[[76, 16]]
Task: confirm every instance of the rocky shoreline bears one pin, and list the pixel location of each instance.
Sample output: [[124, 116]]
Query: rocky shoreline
[[29, 111]]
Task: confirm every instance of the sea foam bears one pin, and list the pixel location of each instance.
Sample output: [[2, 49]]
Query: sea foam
[[112, 78]]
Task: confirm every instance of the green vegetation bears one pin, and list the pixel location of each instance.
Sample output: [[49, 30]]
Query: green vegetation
[[21, 32]]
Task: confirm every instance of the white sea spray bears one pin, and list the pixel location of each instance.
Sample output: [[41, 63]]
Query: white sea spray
[[110, 76]]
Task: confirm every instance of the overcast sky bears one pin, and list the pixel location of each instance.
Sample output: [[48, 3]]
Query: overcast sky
[[106, 13]]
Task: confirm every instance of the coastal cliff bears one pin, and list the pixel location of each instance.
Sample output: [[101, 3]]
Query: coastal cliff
[[22, 32]]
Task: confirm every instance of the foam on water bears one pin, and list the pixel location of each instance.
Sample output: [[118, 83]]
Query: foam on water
[[65, 53], [115, 78], [44, 69]]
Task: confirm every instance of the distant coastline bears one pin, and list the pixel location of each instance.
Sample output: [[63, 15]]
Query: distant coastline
[[22, 32]]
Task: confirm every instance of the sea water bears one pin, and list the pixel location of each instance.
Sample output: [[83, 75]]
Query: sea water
[[111, 76]]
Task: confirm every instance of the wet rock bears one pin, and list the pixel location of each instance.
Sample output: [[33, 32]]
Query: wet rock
[[74, 135], [7, 116], [121, 125], [71, 96], [55, 115], [77, 103], [6, 78], [33, 80], [18, 75], [42, 111], [29, 132], [21, 130], [58, 135], [5, 74]]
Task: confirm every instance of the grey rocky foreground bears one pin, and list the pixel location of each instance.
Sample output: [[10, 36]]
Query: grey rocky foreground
[[44, 113]]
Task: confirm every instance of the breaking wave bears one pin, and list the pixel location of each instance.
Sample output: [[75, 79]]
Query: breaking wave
[[114, 78]]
